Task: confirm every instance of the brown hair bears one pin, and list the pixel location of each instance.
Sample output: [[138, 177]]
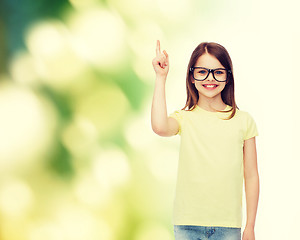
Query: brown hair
[[227, 93]]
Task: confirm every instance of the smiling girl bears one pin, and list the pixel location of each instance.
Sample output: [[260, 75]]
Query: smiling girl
[[217, 148]]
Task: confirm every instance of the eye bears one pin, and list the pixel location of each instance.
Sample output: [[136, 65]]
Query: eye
[[220, 72], [203, 72]]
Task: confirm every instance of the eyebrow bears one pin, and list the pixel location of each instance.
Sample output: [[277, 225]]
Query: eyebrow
[[209, 68]]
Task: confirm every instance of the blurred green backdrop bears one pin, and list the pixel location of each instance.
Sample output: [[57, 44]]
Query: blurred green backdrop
[[77, 157]]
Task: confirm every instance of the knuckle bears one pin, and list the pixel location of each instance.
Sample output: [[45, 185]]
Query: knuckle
[[155, 60]]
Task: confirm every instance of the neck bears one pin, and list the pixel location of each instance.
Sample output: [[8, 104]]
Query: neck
[[211, 104]]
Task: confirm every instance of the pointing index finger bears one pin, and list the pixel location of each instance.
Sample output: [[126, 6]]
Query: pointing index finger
[[157, 48]]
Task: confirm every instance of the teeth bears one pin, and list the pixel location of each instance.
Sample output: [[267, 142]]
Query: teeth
[[210, 85]]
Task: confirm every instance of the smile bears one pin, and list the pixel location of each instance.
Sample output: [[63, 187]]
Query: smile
[[210, 86]]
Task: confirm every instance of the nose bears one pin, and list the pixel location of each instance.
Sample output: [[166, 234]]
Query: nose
[[210, 75]]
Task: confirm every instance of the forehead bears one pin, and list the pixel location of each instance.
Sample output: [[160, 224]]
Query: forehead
[[209, 61]]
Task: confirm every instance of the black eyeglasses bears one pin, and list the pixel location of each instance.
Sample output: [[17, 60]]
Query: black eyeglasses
[[201, 73]]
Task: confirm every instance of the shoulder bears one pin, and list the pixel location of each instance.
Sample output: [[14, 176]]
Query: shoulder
[[245, 117], [178, 114], [249, 124], [182, 114], [243, 113]]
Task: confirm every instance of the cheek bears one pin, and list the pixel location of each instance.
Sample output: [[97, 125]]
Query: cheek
[[222, 86], [198, 85]]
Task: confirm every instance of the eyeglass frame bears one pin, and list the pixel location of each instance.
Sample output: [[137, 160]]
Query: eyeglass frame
[[211, 71]]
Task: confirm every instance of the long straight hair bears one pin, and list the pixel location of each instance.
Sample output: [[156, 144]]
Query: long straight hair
[[227, 94]]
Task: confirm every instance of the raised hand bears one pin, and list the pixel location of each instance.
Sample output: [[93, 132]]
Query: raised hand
[[161, 62]]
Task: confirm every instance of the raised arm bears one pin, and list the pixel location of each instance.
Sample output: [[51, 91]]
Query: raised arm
[[161, 123]]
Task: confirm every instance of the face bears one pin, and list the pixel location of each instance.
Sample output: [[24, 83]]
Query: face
[[209, 61]]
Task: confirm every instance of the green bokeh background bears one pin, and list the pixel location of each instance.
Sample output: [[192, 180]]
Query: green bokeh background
[[76, 151], [78, 158]]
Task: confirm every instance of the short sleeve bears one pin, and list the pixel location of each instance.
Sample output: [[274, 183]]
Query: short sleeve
[[251, 128], [178, 115]]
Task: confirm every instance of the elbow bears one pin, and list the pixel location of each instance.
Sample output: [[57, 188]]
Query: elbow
[[159, 131]]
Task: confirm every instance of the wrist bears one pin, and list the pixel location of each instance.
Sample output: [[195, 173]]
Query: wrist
[[160, 78], [249, 225]]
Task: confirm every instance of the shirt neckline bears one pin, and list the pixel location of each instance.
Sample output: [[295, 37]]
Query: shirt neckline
[[210, 112]]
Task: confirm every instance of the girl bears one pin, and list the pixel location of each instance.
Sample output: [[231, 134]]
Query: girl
[[217, 148]]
